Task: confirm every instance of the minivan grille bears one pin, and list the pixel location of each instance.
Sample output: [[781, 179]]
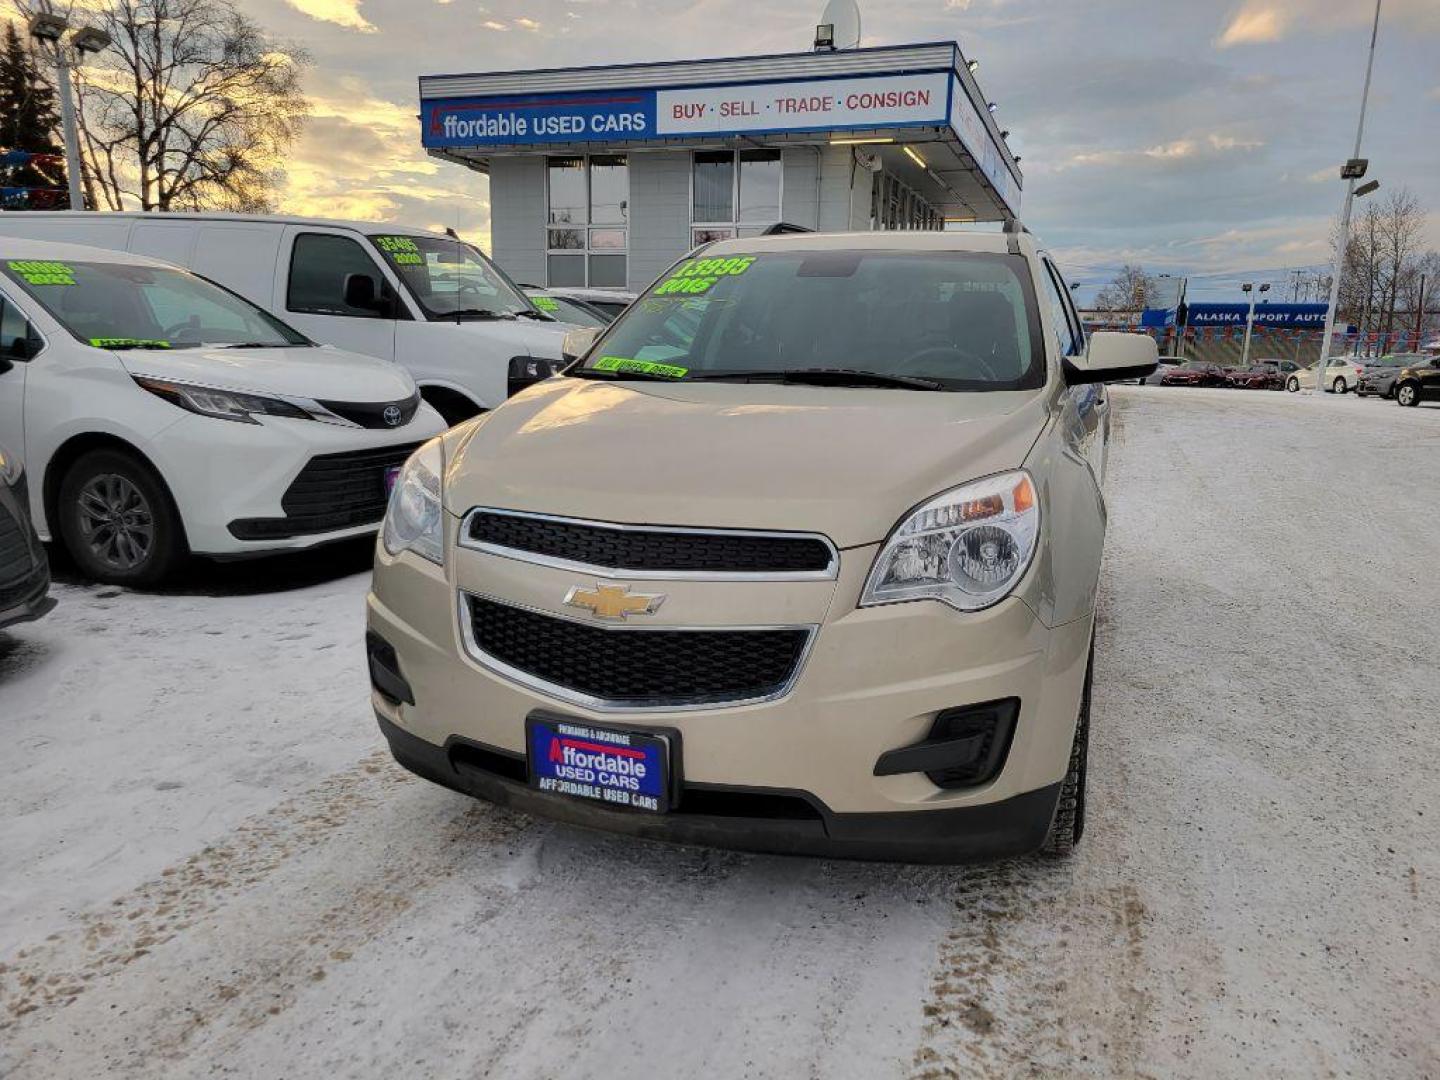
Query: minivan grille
[[641, 668], [333, 491], [656, 549], [373, 414]]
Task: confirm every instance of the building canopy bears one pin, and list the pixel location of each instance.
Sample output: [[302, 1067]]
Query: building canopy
[[917, 108]]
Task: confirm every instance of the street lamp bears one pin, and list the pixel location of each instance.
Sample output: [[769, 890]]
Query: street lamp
[[49, 29], [1250, 319]]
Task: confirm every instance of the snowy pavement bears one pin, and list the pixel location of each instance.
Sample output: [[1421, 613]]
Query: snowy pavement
[[209, 866]]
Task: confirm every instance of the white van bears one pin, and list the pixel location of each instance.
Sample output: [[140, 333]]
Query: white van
[[428, 301]]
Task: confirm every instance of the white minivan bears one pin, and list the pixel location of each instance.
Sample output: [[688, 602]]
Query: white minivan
[[430, 302], [158, 414]]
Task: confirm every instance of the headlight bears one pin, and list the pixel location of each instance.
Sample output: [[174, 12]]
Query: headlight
[[528, 370], [413, 520], [967, 547], [221, 404], [9, 468]]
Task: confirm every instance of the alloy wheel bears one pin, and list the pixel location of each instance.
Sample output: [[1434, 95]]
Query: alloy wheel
[[1405, 395], [116, 522]]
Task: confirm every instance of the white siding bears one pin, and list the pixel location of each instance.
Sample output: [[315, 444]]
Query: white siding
[[517, 217], [845, 189], [798, 189], [659, 213]]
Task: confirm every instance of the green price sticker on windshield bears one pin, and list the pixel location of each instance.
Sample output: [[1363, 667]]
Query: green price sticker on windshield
[[43, 272], [700, 275], [402, 250], [128, 343], [640, 367], [545, 303]]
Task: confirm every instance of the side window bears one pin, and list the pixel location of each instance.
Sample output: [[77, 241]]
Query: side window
[[319, 264], [14, 332], [1061, 326]]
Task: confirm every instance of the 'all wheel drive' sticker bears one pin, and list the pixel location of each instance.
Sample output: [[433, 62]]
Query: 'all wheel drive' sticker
[[698, 275], [43, 272], [641, 367]]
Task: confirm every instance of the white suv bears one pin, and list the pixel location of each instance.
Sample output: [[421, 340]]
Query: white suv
[[159, 414]]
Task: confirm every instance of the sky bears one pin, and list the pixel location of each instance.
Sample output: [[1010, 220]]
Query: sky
[[1200, 137]]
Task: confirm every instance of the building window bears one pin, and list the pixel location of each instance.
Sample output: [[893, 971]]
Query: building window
[[894, 205], [734, 193], [587, 231]]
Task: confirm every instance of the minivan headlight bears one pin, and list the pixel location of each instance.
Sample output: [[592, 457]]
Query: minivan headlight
[[220, 404], [968, 547], [413, 520]]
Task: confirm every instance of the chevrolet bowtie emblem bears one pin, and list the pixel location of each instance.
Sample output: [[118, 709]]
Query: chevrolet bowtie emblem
[[614, 601]]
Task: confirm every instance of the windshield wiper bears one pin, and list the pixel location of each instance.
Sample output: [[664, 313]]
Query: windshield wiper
[[539, 316], [258, 345], [822, 377], [474, 313]]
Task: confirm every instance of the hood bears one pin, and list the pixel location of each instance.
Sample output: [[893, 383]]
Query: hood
[[844, 462], [525, 337], [322, 373]]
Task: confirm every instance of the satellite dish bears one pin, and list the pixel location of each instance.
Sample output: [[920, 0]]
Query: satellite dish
[[844, 17]]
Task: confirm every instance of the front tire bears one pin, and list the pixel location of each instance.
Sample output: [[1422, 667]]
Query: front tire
[[118, 521], [1407, 395], [1069, 822], [1338, 386]]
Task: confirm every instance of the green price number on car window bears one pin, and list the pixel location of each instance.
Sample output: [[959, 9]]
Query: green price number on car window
[[401, 249], [128, 343], [641, 367], [43, 272], [546, 303], [700, 275]]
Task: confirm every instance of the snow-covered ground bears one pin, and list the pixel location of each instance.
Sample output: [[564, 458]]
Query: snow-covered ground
[[209, 866]]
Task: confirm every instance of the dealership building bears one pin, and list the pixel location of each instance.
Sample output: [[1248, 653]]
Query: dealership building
[[603, 176]]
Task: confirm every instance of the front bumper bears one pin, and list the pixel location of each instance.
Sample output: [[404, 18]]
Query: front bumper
[[221, 473], [798, 772], [27, 599]]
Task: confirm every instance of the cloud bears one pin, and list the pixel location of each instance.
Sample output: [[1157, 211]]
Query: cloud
[[527, 24], [491, 24], [1211, 147], [1251, 26], [344, 13]]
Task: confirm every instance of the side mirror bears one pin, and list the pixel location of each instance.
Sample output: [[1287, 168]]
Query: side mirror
[[360, 292], [577, 342], [1113, 357]]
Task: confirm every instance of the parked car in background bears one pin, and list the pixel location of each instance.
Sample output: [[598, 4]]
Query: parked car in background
[[898, 668], [1264, 375], [610, 301], [1193, 373], [1342, 373], [24, 571], [427, 301], [567, 309], [1380, 372], [1419, 382], [1167, 363], [164, 415]]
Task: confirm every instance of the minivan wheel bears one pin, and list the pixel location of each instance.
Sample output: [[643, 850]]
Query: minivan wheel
[[1069, 822], [1293, 385], [118, 521], [1338, 386], [1407, 395]]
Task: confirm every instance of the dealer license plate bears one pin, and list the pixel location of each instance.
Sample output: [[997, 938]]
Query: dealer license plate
[[618, 769], [391, 475]]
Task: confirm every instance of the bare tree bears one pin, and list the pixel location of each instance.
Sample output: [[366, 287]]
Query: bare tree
[[1382, 262], [1130, 291], [192, 106]]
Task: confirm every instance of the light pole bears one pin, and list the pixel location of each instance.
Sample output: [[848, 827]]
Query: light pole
[[49, 28], [1250, 320], [1353, 170]]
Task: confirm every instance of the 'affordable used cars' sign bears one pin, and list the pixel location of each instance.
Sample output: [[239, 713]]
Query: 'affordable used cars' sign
[[636, 115]]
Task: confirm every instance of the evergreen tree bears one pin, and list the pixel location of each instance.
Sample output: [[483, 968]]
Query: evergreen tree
[[29, 119]]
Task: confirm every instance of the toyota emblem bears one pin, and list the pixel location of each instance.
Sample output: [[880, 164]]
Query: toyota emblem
[[393, 415]]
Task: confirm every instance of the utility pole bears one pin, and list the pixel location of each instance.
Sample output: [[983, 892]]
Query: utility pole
[[1353, 171], [67, 122], [1250, 320], [50, 29], [1420, 312]]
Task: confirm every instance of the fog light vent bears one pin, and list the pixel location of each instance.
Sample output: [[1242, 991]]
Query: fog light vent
[[965, 747]]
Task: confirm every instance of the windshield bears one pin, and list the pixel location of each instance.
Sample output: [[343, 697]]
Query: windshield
[[959, 320], [570, 311], [126, 306], [450, 279]]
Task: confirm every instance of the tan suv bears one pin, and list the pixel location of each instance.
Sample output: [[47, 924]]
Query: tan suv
[[800, 555]]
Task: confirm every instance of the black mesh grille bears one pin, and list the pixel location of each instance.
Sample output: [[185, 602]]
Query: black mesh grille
[[652, 549], [15, 558], [641, 667], [375, 414], [333, 491]]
